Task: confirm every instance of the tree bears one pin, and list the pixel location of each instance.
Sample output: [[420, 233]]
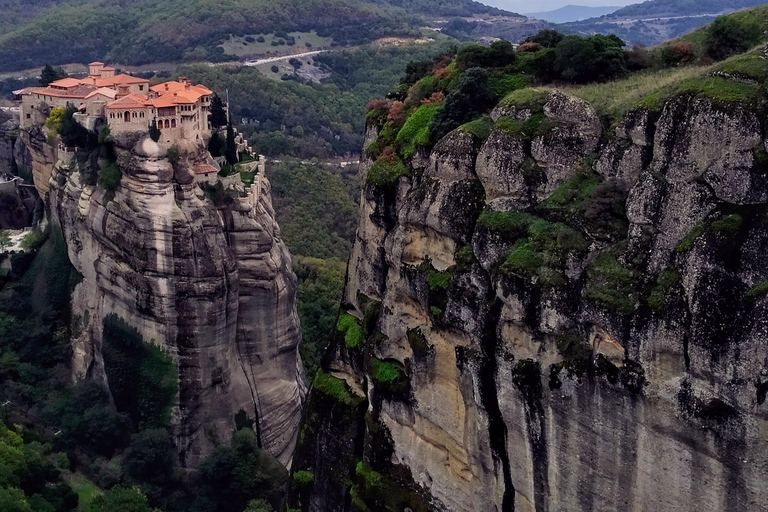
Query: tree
[[50, 74], [13, 500], [547, 38], [728, 35], [590, 59], [110, 176], [218, 115], [471, 99], [230, 149], [150, 457], [125, 499], [154, 131]]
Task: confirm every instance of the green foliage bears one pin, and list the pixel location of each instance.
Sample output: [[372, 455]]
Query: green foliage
[[386, 173], [720, 89], [5, 240], [388, 376], [50, 74], [31, 242], [609, 283], [371, 478], [54, 121], [758, 290], [548, 38], [232, 476], [320, 285], [504, 83], [439, 280], [415, 131], [259, 506], [149, 459], [471, 98], [725, 225], [127, 499], [532, 99], [110, 176], [143, 379], [657, 299], [303, 478], [335, 389], [13, 500], [569, 197], [480, 128], [498, 54], [173, 155], [513, 224], [350, 327], [218, 116], [154, 131], [590, 59], [538, 125], [728, 35]]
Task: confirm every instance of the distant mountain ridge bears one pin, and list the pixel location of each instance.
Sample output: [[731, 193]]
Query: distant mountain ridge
[[571, 13], [147, 31], [655, 21]]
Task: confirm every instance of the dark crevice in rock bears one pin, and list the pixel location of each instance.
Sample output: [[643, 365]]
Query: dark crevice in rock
[[489, 395]]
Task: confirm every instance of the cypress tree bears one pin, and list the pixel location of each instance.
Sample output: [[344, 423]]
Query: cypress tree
[[218, 114], [154, 131], [230, 151]]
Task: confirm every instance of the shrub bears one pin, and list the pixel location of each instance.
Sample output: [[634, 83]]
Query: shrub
[[480, 128], [383, 172], [54, 121], [303, 477], [110, 176], [33, 240], [439, 280], [335, 389], [728, 35], [547, 38], [250, 39], [396, 116], [512, 224], [529, 47], [173, 155], [471, 99], [260, 39], [676, 54], [499, 54], [388, 376], [588, 59]]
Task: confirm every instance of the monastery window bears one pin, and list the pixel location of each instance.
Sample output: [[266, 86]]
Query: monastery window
[[29, 115], [173, 123], [141, 87], [141, 115], [127, 116], [134, 115]]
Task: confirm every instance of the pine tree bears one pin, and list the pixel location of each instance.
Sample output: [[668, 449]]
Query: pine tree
[[50, 74], [154, 131], [218, 114], [230, 150]]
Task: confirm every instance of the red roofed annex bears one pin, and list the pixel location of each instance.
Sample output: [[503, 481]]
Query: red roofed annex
[[126, 103]]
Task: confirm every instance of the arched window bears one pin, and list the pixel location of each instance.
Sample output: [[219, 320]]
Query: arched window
[[173, 123], [127, 116], [167, 124]]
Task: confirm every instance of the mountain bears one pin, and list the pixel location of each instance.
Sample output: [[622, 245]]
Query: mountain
[[559, 305], [572, 13], [655, 21], [146, 31]]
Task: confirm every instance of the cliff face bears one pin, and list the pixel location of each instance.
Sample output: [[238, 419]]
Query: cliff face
[[210, 283], [568, 320]]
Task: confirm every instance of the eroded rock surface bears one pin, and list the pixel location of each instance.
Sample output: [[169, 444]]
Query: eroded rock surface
[[608, 352], [209, 283]]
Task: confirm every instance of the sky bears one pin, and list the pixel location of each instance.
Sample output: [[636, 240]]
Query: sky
[[523, 6]]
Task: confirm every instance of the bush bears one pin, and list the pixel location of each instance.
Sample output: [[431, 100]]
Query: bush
[[250, 39], [260, 39], [500, 54], [547, 38], [335, 389], [173, 155], [388, 377], [472, 98], [384, 172], [590, 59], [728, 35], [110, 176], [676, 54], [33, 240], [609, 283], [415, 131], [274, 69]]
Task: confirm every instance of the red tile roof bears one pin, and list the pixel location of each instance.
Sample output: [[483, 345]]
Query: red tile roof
[[205, 169], [65, 83], [132, 100], [96, 63], [105, 91], [115, 80], [81, 91]]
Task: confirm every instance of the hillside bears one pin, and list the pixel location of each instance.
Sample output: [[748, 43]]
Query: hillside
[[655, 21], [571, 13], [148, 31], [556, 298]]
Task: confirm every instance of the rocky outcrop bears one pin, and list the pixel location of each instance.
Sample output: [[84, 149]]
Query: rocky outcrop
[[594, 339], [206, 278]]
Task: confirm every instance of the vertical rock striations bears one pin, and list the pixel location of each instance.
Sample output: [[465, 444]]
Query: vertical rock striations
[[207, 278], [556, 319]]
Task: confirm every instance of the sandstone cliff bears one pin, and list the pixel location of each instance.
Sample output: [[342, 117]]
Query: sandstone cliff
[[562, 320], [208, 279]]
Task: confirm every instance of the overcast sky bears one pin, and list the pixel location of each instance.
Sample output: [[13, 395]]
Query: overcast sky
[[523, 6]]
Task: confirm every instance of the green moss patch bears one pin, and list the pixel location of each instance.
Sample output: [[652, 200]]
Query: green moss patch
[[415, 131], [512, 224], [388, 376], [657, 299], [538, 125], [350, 327], [724, 225], [303, 478], [480, 128], [569, 198], [439, 280], [335, 389], [532, 99], [504, 83], [609, 283]]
